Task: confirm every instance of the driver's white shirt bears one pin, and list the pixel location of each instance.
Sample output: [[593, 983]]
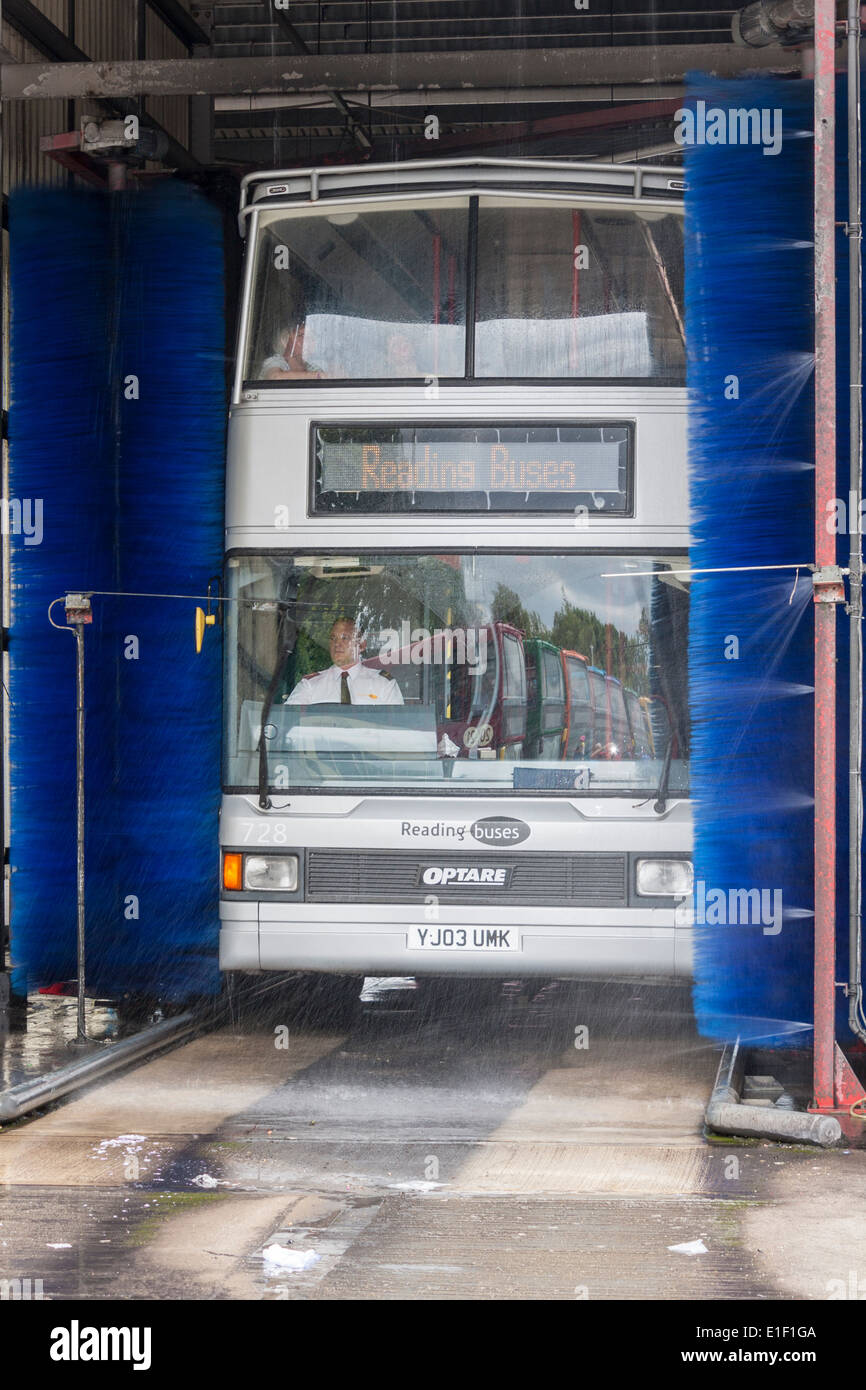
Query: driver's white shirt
[[366, 687]]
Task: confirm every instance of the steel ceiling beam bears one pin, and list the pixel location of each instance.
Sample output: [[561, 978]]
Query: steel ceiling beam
[[38, 30], [179, 21], [33, 26], [514, 69]]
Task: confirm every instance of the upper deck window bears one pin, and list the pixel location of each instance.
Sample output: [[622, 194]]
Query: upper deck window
[[566, 292], [489, 287], [375, 293]]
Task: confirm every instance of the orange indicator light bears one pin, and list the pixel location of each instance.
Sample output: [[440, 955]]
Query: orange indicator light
[[233, 871]]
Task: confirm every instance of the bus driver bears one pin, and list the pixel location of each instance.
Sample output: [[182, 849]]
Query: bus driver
[[347, 682]]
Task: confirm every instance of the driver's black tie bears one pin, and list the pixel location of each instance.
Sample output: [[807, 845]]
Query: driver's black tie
[[345, 696]]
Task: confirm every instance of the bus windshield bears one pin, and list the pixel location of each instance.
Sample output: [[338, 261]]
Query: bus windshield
[[562, 674]]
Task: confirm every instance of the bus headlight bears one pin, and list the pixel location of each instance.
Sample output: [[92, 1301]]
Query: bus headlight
[[275, 873], [664, 878]]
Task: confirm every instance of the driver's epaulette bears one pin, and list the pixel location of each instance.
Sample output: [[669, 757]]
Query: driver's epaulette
[[387, 675]]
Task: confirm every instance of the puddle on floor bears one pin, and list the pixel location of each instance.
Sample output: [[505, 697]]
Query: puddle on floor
[[49, 1041]]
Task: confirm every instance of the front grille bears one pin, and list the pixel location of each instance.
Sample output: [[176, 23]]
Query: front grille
[[537, 880]]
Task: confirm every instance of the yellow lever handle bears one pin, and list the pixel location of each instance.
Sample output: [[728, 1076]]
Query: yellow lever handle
[[202, 620]]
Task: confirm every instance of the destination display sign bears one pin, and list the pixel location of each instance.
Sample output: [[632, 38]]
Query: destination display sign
[[465, 468]]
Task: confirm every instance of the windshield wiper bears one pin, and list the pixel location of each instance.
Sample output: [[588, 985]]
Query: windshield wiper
[[661, 800], [264, 797]]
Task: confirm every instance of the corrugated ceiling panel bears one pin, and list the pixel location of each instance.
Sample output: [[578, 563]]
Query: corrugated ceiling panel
[[171, 112], [24, 122], [106, 30], [55, 10]]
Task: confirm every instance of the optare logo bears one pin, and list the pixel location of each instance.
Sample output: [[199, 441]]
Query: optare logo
[[458, 875], [499, 831]]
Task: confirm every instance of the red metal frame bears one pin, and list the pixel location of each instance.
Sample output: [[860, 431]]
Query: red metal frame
[[834, 1084], [66, 150]]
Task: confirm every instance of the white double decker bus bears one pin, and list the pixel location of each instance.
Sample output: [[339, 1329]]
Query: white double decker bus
[[456, 706]]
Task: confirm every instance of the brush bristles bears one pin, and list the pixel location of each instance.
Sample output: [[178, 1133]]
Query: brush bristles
[[749, 330], [132, 477]]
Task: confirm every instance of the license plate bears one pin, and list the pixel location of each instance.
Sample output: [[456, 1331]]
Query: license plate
[[463, 939]]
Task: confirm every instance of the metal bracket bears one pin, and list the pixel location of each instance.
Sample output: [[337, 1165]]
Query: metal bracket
[[110, 139], [828, 584], [203, 16], [214, 597], [847, 1093], [848, 1088], [78, 609]]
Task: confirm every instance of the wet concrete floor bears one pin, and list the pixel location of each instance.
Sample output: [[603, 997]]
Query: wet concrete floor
[[487, 1143]]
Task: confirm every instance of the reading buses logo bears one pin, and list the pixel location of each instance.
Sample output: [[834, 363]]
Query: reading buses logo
[[499, 830]]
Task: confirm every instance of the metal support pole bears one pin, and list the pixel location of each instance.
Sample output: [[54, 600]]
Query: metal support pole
[[78, 613], [827, 586], [13, 982], [855, 557], [4, 480], [201, 122], [116, 176], [81, 1028], [141, 45]]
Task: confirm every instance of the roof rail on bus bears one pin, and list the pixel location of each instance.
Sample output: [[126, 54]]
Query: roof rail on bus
[[309, 185]]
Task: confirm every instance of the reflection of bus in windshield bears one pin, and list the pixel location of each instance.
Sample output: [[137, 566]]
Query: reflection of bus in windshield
[[612, 732], [639, 727], [602, 731], [546, 717], [429, 669], [580, 717], [621, 745], [476, 679]]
